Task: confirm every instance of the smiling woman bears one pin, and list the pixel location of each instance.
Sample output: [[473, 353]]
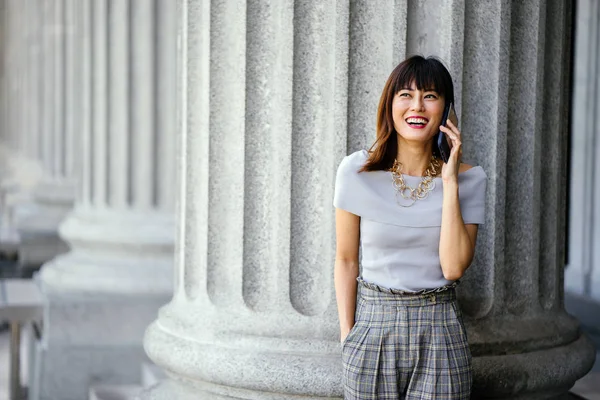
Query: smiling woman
[[416, 219]]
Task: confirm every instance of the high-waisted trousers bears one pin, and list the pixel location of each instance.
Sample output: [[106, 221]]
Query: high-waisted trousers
[[406, 346]]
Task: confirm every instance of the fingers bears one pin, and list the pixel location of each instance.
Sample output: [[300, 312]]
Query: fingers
[[452, 127], [453, 135]]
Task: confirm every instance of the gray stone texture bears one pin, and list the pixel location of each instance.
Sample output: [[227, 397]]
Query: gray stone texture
[[254, 313]]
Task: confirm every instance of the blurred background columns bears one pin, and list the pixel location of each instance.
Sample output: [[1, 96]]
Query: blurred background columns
[[103, 293], [582, 275], [271, 98], [51, 98], [20, 153]]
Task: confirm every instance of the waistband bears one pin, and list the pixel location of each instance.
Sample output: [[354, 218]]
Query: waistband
[[379, 294]]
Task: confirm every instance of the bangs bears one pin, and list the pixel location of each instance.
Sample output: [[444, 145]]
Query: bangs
[[427, 74]]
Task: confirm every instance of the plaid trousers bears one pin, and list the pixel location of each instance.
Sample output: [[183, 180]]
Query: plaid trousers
[[406, 346]]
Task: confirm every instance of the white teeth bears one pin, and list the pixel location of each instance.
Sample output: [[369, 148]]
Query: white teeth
[[416, 121]]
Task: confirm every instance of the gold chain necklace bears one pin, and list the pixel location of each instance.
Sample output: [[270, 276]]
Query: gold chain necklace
[[405, 192]]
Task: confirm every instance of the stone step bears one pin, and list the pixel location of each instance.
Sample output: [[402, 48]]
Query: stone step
[[114, 392], [151, 374]]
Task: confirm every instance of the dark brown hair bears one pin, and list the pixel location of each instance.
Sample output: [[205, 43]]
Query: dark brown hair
[[428, 74]]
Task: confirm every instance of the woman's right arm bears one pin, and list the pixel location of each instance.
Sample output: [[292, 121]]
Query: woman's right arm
[[347, 227]]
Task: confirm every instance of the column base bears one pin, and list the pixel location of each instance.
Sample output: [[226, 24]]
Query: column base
[[117, 252], [543, 374], [91, 339], [100, 297], [38, 223], [36, 247], [252, 372], [224, 364], [68, 372], [173, 388]]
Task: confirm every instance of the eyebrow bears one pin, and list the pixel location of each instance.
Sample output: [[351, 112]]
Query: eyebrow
[[424, 90]]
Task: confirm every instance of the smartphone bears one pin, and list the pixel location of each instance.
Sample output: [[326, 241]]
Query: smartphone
[[442, 141]]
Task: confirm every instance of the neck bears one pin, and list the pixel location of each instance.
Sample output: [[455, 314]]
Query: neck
[[414, 157]]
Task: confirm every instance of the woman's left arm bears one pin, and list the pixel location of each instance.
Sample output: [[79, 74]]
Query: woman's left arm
[[457, 240]]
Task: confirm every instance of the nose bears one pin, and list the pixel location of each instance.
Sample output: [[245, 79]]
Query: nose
[[417, 103]]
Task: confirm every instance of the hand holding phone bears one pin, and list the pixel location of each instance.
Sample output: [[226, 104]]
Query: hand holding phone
[[442, 141]]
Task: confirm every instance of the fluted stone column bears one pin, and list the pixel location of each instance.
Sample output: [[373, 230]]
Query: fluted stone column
[[7, 86], [524, 342], [253, 308], [34, 72], [582, 276], [6, 133], [19, 166], [53, 195], [14, 49], [106, 290], [8, 42], [3, 88], [271, 98]]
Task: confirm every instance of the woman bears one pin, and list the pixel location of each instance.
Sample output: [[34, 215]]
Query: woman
[[415, 219]]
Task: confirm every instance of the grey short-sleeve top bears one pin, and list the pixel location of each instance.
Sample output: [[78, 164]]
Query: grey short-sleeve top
[[400, 245]]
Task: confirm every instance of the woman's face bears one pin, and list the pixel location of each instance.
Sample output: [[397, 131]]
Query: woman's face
[[417, 113]]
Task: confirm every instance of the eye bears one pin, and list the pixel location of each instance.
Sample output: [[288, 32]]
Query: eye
[[404, 94], [430, 96]]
